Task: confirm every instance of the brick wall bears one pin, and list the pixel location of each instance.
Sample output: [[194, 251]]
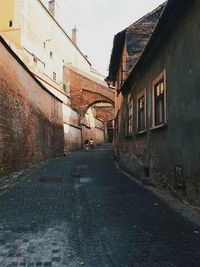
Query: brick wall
[[96, 134], [31, 127], [106, 113], [72, 137], [86, 90]]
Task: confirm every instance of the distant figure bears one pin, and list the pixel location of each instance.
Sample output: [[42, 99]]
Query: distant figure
[[91, 143], [86, 144]]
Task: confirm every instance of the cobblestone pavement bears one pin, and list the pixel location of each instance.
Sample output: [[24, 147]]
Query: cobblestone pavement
[[80, 210]]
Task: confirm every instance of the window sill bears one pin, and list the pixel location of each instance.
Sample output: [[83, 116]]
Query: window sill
[[163, 125], [141, 133]]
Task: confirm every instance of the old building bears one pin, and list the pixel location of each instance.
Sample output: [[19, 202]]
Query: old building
[[127, 48], [34, 35], [158, 123]]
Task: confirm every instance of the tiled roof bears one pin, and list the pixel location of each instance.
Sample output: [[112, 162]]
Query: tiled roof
[[136, 37]]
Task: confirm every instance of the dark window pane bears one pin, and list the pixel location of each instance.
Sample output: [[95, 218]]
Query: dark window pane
[[141, 113], [159, 111], [130, 118], [141, 124], [159, 102]]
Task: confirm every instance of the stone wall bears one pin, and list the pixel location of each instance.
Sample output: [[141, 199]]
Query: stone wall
[[31, 127]]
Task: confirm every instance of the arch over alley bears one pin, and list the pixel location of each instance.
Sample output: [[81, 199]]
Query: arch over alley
[[86, 90]]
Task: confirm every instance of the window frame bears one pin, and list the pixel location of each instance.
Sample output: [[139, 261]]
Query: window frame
[[140, 96], [156, 81], [129, 117]]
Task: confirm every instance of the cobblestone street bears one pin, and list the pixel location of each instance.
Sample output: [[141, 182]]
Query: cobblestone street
[[81, 210]]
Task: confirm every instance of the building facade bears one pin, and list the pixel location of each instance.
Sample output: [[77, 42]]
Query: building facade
[[158, 124], [127, 48]]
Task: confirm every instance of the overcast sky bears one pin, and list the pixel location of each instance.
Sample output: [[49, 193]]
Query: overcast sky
[[98, 21]]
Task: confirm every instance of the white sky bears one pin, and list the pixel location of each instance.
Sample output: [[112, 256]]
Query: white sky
[[98, 21]]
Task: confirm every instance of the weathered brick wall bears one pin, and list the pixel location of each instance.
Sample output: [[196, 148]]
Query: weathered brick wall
[[31, 127], [72, 129], [105, 113], [97, 134], [85, 91], [72, 137]]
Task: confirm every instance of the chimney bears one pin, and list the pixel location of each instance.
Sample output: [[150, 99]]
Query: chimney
[[52, 7], [74, 35]]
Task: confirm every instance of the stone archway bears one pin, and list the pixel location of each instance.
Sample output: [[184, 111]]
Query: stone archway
[[86, 90]]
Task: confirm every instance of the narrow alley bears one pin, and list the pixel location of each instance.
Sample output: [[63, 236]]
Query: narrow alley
[[81, 210]]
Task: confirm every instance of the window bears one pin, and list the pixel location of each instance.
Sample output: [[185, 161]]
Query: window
[[64, 87], [51, 54], [130, 117], [141, 112], [159, 100], [35, 59], [54, 76], [10, 23]]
